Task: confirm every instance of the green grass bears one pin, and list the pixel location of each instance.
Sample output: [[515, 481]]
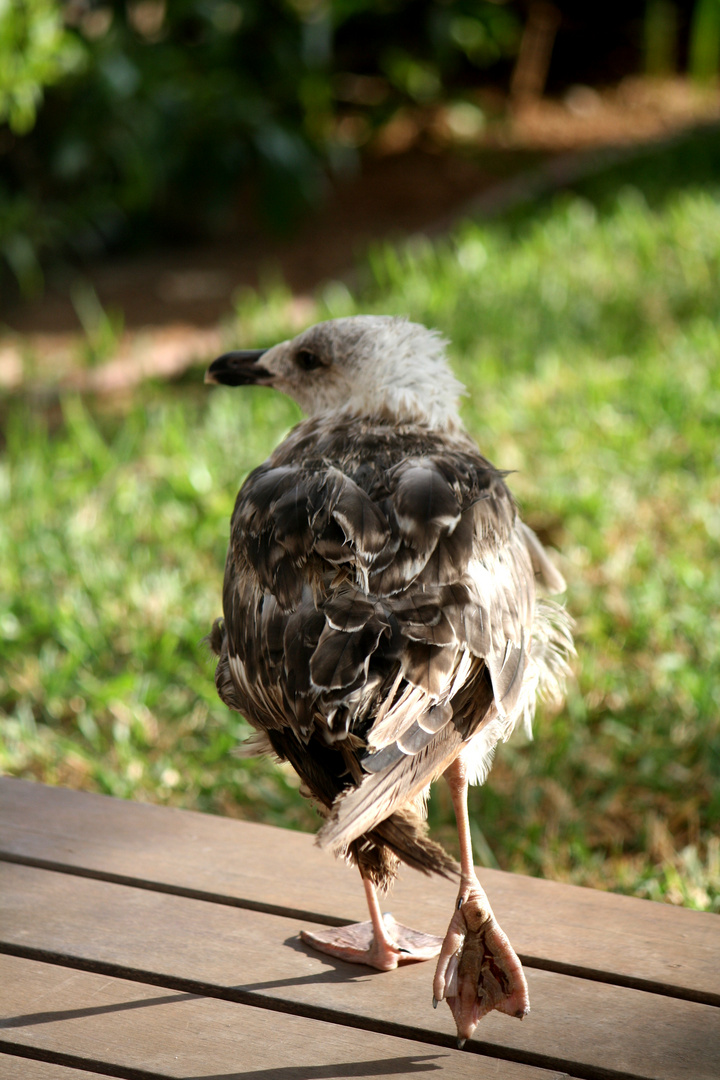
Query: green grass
[[588, 335]]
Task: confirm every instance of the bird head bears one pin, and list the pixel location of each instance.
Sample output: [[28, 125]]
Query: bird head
[[364, 365]]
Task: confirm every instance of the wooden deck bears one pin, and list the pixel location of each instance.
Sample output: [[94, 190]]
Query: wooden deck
[[143, 942]]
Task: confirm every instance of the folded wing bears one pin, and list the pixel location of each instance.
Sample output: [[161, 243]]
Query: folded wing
[[379, 609]]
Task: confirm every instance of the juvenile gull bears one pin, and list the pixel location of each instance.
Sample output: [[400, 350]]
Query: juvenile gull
[[381, 626]]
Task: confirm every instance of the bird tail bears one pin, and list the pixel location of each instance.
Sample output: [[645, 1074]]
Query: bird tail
[[405, 833], [388, 794], [216, 638]]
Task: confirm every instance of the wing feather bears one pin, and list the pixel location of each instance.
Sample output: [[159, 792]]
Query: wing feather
[[379, 602], [542, 565]]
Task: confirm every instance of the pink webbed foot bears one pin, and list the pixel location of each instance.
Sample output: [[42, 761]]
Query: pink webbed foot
[[359, 944], [478, 969]]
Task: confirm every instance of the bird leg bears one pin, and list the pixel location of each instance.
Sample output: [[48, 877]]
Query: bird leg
[[478, 969], [381, 943]]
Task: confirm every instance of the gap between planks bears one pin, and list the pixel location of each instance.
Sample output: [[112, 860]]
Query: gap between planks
[[669, 989], [20, 1067], [235, 863], [77, 1068], [574, 1070], [182, 1035], [601, 1027]]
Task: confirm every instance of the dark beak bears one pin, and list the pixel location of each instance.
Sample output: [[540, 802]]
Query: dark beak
[[239, 369]]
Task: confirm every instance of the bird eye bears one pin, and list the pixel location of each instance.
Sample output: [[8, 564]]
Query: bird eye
[[307, 360]]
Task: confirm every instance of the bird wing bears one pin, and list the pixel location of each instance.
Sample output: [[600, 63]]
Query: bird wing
[[470, 688], [379, 596]]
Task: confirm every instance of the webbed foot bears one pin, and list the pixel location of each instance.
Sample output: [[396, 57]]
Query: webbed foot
[[478, 969], [359, 944]]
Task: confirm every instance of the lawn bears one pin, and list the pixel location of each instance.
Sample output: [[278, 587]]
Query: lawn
[[588, 334]]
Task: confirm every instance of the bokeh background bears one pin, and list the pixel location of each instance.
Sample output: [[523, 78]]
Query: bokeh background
[[540, 181]]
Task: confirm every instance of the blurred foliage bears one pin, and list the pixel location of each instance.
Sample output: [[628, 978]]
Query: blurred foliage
[[165, 121], [670, 31], [181, 111], [588, 335], [704, 49], [35, 51]]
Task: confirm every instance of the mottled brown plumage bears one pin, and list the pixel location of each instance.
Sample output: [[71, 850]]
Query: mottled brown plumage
[[381, 622]]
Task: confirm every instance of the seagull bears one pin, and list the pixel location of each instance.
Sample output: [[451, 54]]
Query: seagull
[[386, 622]]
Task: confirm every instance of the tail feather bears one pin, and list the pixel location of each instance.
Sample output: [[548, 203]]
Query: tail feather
[[359, 810], [405, 833]]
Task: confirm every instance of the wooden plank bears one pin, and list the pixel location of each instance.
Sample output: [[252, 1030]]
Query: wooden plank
[[23, 1068], [578, 1026], [556, 926], [99, 1022]]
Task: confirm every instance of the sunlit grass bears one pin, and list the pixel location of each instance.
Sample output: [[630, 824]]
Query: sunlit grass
[[590, 344]]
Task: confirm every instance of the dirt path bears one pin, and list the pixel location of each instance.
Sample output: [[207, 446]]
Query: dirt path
[[421, 178]]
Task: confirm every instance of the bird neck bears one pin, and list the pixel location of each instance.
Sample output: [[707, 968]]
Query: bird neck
[[402, 407]]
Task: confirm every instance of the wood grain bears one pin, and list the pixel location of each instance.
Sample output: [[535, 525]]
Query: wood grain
[[576, 1025], [96, 1021], [554, 926]]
